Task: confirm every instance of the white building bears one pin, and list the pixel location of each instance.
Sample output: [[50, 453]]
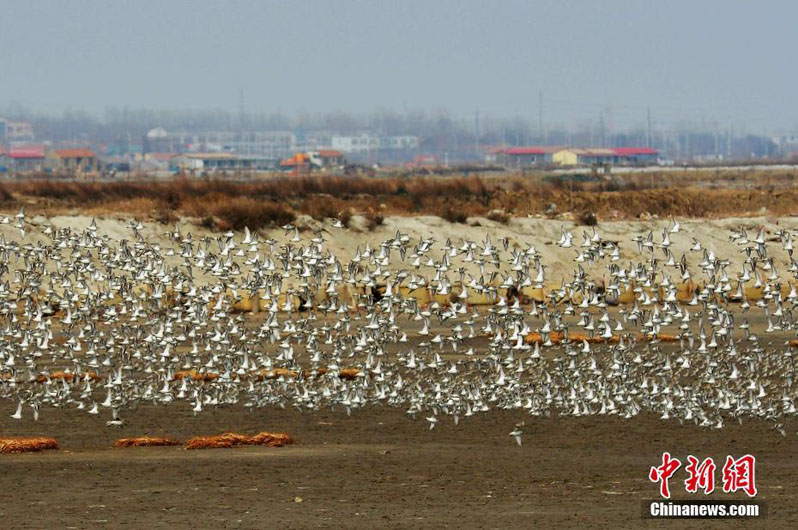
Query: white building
[[365, 143], [787, 145], [16, 131], [362, 143], [399, 142]]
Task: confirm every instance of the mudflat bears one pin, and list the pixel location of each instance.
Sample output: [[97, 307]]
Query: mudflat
[[376, 468]]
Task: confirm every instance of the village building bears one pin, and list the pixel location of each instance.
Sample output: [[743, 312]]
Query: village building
[[617, 156], [519, 157], [212, 162], [75, 160], [328, 158], [14, 132], [27, 158]]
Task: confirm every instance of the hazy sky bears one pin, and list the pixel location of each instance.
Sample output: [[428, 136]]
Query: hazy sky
[[724, 60]]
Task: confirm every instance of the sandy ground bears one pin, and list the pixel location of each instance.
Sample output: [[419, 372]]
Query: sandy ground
[[543, 234]]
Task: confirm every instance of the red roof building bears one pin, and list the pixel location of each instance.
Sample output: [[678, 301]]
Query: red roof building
[[74, 153], [635, 151], [26, 158], [75, 159], [27, 152]]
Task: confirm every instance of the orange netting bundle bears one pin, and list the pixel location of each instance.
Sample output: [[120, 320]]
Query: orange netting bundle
[[662, 337], [229, 439], [349, 373], [146, 441], [27, 444], [275, 374], [271, 439], [557, 338], [195, 375], [66, 376]]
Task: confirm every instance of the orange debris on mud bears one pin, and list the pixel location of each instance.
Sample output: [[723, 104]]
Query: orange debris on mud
[[146, 441], [195, 375], [556, 337], [275, 373], [66, 376], [345, 373], [349, 373], [27, 444], [271, 439], [662, 337], [229, 439]]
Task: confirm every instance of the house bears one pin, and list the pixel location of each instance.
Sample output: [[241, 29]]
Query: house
[[222, 162], [329, 158], [636, 156], [425, 162], [158, 161], [362, 143], [526, 156], [78, 160], [580, 156], [27, 158], [399, 142], [629, 156]]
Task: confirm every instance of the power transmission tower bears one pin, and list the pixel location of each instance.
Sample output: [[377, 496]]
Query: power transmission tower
[[241, 109], [476, 132], [541, 135]]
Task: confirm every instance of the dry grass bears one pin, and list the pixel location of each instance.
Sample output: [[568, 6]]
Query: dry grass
[[240, 212], [224, 204], [499, 216], [23, 444], [587, 219]]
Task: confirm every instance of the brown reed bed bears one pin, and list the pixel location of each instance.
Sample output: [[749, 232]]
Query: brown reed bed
[[275, 201]]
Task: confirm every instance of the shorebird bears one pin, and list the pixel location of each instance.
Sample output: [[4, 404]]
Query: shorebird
[[439, 325]]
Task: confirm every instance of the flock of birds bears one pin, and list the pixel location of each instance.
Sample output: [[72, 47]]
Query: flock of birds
[[102, 325]]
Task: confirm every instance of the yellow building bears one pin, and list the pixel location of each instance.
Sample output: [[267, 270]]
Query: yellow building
[[626, 156], [566, 157], [584, 157]]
